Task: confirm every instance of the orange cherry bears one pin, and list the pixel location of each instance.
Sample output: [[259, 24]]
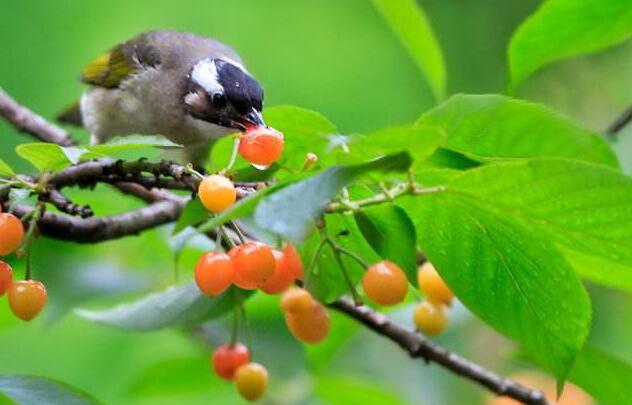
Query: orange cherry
[[6, 277], [385, 283], [11, 233], [27, 298], [431, 283], [226, 359], [297, 300], [217, 193], [293, 260], [261, 146], [430, 318], [254, 263], [311, 326], [239, 280], [214, 273], [282, 278], [251, 381]]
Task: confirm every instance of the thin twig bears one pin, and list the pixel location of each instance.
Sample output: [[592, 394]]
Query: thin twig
[[25, 120], [619, 123]]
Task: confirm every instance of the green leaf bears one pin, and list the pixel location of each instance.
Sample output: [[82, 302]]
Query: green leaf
[[391, 233], [508, 275], [411, 25], [51, 157], [192, 214], [290, 212], [5, 169], [176, 306], [340, 390], [561, 29], [48, 156], [30, 390], [604, 377], [17, 195], [491, 127], [421, 141], [583, 206]]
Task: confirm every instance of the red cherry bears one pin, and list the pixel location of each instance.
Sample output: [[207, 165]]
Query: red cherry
[[6, 277], [214, 273], [226, 359], [261, 146]]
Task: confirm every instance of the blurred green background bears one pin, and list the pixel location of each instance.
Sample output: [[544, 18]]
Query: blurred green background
[[336, 57]]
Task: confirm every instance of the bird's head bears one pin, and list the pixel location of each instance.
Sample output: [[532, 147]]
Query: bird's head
[[222, 92]]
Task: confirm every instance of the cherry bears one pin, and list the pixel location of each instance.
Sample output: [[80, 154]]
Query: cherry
[[311, 326], [293, 260], [251, 380], [6, 277], [254, 263], [12, 233], [282, 278], [27, 298], [431, 283], [239, 280], [261, 146], [385, 283], [217, 193], [430, 318], [214, 273], [227, 359], [296, 300]]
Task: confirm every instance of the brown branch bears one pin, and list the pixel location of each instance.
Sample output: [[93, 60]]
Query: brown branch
[[24, 120], [418, 346], [64, 204], [619, 123]]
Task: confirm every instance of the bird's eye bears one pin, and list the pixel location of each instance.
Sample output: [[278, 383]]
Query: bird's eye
[[218, 100]]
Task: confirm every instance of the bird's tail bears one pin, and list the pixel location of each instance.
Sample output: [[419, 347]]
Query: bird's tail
[[71, 115]]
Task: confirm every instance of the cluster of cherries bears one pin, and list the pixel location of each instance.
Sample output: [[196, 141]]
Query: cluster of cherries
[[26, 297]]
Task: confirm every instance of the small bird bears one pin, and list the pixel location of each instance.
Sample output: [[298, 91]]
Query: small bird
[[188, 88]]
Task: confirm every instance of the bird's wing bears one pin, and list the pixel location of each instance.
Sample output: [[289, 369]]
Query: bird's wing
[[110, 69]]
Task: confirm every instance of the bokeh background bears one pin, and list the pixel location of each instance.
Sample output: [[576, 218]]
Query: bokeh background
[[335, 57]]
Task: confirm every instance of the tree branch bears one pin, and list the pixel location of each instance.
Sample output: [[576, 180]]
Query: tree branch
[[418, 346], [24, 120]]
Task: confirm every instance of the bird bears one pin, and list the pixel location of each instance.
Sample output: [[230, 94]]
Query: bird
[[188, 88]]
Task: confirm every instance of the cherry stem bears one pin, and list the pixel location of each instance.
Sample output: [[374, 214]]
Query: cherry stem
[[352, 255], [312, 263], [233, 155], [345, 273], [238, 231], [28, 238], [226, 238]]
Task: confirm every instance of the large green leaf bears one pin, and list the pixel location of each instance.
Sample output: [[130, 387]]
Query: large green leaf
[[604, 377], [192, 214], [30, 390], [508, 275], [5, 169], [176, 306], [391, 233], [563, 28], [409, 22], [586, 207], [492, 127], [421, 141], [290, 212]]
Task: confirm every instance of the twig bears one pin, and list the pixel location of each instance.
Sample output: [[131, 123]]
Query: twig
[[619, 123], [64, 204], [24, 120], [418, 346]]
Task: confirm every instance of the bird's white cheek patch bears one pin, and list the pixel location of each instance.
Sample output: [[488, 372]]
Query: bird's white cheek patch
[[205, 74]]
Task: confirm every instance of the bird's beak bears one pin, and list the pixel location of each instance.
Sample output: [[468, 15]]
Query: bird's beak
[[252, 119]]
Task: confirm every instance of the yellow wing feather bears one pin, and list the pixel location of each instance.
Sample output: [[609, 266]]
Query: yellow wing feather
[[108, 70]]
